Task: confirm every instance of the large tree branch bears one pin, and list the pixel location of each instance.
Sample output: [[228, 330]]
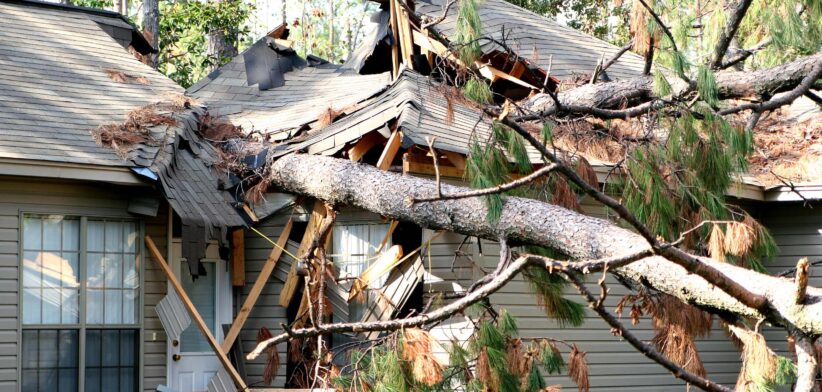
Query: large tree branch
[[729, 32], [527, 221], [625, 95]]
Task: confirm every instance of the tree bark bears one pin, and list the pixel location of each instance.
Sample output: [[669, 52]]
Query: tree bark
[[806, 366], [731, 84], [151, 28], [527, 221], [221, 45]]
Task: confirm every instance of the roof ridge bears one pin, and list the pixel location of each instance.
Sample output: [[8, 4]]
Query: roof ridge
[[72, 8]]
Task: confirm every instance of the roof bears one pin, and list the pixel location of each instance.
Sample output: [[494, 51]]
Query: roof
[[302, 98], [55, 85], [540, 39], [421, 109]]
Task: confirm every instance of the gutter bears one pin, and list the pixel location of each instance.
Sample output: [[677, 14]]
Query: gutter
[[119, 175]]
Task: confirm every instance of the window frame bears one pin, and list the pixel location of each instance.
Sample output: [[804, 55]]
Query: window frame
[[83, 326]]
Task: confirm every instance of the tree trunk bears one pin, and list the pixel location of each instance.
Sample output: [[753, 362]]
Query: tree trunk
[[151, 27], [527, 221], [222, 44]]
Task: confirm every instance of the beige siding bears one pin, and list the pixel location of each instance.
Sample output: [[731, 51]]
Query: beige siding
[[20, 195], [267, 312], [155, 287]]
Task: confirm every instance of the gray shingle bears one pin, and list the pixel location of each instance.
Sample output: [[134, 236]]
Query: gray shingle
[[54, 88]]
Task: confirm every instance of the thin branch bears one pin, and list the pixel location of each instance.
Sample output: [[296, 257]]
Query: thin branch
[[433, 152], [439, 314], [649, 58], [745, 53], [492, 190], [441, 18], [645, 348], [729, 32], [618, 54]]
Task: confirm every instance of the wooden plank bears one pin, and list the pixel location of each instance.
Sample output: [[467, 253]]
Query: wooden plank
[[293, 281], [237, 258], [195, 315], [457, 159], [250, 213], [364, 145], [518, 69], [421, 164], [259, 284], [390, 150], [407, 39], [395, 56], [494, 74]]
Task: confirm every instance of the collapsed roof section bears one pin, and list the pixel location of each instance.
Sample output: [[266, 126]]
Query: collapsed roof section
[[184, 163], [418, 107], [271, 90], [541, 40]]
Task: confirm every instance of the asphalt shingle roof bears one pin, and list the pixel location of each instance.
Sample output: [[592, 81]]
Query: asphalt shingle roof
[[306, 94], [54, 87], [569, 51]]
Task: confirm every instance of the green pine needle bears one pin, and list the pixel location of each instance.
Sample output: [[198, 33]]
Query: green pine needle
[[549, 289], [661, 86], [467, 31], [508, 324], [551, 360], [478, 91], [547, 132], [706, 85], [535, 381]]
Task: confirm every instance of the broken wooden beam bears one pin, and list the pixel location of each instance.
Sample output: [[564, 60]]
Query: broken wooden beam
[[365, 144], [294, 280], [195, 315], [257, 289], [390, 150]]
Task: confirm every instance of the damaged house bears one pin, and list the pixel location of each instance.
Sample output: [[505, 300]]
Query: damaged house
[[89, 305]]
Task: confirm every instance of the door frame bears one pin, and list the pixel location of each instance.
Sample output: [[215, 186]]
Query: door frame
[[223, 295]]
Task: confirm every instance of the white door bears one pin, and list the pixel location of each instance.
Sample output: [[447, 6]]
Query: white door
[[191, 361]]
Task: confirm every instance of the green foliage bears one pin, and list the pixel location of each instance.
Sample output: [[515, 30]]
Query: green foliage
[[104, 4], [551, 359], [467, 32], [184, 28], [330, 29], [550, 289], [661, 86], [706, 85], [486, 167], [535, 381], [478, 91]]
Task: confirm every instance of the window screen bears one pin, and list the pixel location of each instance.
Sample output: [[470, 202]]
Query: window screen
[[111, 360], [50, 361]]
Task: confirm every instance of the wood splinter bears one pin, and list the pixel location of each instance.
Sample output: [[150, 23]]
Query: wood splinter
[[802, 268]]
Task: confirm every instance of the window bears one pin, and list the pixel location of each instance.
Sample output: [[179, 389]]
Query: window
[[80, 304], [354, 248]]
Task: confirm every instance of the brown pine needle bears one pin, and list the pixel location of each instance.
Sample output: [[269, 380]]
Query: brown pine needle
[[716, 244], [578, 369]]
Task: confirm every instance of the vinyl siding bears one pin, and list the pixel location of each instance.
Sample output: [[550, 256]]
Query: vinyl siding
[[267, 311], [155, 286], [19, 195]]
